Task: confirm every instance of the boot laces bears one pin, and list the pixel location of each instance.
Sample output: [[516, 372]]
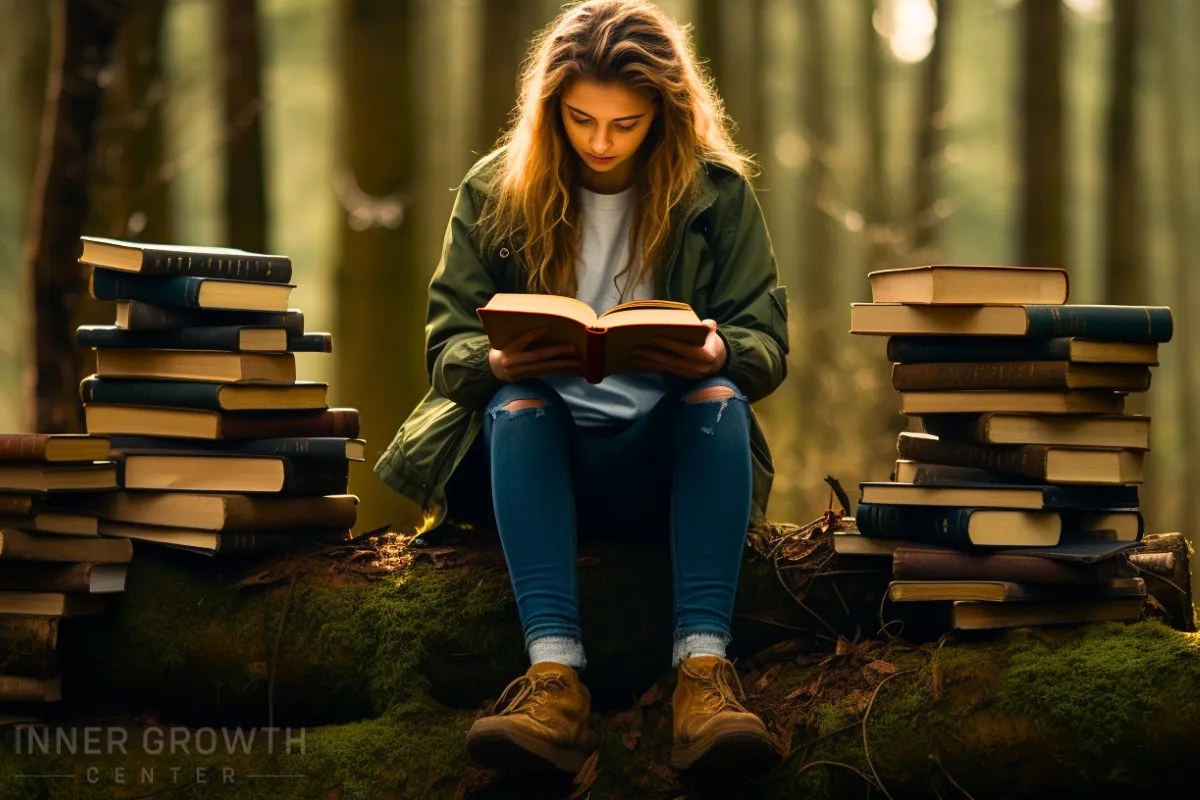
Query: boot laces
[[528, 695], [723, 689]]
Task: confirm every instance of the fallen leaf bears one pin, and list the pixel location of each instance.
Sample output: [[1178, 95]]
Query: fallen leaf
[[264, 578], [810, 689], [588, 561], [784, 648], [843, 646], [939, 678], [663, 771], [651, 696], [768, 677], [630, 739], [585, 777], [881, 667]]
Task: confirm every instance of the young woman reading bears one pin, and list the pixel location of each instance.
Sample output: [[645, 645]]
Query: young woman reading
[[617, 181]]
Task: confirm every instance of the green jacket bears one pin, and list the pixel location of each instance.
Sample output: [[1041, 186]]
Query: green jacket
[[719, 260]]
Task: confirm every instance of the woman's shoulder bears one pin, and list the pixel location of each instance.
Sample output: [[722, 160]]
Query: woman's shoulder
[[484, 171]]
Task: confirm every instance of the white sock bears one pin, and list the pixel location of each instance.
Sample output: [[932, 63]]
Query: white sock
[[698, 644], [565, 650]]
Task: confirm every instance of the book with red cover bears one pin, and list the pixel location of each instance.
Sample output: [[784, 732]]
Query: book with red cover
[[605, 342], [44, 448]]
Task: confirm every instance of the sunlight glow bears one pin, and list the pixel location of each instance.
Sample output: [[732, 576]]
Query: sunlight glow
[[908, 25]]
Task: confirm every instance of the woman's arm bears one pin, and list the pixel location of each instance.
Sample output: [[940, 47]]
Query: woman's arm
[[456, 348], [746, 301]]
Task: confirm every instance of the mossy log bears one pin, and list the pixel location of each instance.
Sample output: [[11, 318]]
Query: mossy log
[[1096, 711], [343, 634]]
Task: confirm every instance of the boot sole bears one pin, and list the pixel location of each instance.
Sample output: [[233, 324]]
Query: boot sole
[[503, 749], [742, 752]]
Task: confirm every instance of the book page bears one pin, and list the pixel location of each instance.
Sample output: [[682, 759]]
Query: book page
[[636, 328]]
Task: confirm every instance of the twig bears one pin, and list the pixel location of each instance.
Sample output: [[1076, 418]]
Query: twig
[[870, 705], [883, 626], [855, 770], [800, 602], [1155, 575], [778, 624], [841, 599], [275, 654], [933, 757]]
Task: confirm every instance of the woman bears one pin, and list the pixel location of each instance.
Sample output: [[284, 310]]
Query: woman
[[617, 181]]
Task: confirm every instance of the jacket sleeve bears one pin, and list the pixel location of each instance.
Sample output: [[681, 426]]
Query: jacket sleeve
[[456, 348], [749, 306]]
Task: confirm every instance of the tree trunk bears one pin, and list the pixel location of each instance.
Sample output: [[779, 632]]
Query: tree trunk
[[1043, 231], [1166, 20], [818, 247], [84, 37], [245, 200], [874, 191], [381, 290], [506, 29], [741, 73], [1122, 226], [929, 133], [707, 36]]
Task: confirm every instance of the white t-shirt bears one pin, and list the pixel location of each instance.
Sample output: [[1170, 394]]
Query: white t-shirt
[[605, 221]]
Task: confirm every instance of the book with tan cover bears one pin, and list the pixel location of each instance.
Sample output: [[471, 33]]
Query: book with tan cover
[[606, 341]]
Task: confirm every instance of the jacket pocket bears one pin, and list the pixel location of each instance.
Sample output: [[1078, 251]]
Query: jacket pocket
[[779, 296]]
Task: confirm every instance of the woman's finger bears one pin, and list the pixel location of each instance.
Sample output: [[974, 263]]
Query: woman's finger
[[539, 354], [525, 339], [541, 367]]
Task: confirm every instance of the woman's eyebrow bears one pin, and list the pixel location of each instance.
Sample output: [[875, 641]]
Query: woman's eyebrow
[[630, 118]]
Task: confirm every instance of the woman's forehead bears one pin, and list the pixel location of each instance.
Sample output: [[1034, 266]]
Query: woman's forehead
[[605, 100]]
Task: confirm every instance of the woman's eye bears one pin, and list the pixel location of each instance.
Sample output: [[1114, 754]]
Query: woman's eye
[[578, 121], [626, 128]]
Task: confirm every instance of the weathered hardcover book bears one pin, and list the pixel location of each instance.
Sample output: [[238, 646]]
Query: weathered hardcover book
[[190, 292], [211, 472], [1125, 431], [959, 527], [174, 259], [302, 395], [1040, 462], [44, 448], [957, 284], [1019, 375], [192, 423], [1000, 495], [923, 564], [223, 512], [137, 316], [926, 349], [31, 547], [1104, 323], [71, 577], [323, 447]]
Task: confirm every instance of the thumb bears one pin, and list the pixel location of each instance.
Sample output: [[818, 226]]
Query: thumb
[[711, 323]]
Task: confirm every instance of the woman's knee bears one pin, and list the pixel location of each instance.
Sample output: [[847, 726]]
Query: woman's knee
[[714, 388], [521, 395]]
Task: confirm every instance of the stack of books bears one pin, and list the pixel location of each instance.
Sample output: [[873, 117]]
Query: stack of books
[[221, 448], [53, 564], [1018, 502]]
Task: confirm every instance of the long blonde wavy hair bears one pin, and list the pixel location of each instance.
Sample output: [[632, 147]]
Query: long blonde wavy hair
[[626, 41]]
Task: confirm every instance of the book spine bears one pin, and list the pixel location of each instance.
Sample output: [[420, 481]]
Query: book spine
[[911, 564], [209, 338], [315, 478], [242, 542], [935, 349], [160, 393], [959, 427], [943, 474], [924, 524], [149, 317], [264, 513], [311, 343], [16, 505], [302, 447], [335, 422], [1028, 461], [277, 269], [178, 292], [968, 375], [21, 546], [46, 577], [597, 345], [1090, 497], [1103, 323], [25, 448]]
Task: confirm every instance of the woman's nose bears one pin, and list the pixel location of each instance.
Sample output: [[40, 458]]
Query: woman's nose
[[600, 142]]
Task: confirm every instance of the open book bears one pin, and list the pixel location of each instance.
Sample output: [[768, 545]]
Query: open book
[[606, 342]]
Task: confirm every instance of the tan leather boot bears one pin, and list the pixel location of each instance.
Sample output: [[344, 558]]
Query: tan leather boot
[[713, 730], [539, 723]]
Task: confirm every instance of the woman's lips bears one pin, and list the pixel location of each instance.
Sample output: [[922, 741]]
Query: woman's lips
[[600, 159]]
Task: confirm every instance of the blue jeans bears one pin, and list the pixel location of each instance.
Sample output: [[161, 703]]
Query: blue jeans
[[684, 467]]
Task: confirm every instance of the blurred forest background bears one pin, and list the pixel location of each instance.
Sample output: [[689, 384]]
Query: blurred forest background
[[889, 132]]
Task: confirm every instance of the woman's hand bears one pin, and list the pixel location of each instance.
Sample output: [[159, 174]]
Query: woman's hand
[[684, 360], [517, 363]]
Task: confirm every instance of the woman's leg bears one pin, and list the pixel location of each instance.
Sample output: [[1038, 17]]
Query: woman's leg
[[710, 509], [530, 437]]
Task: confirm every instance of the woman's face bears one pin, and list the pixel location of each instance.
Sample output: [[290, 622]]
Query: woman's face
[[606, 123]]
